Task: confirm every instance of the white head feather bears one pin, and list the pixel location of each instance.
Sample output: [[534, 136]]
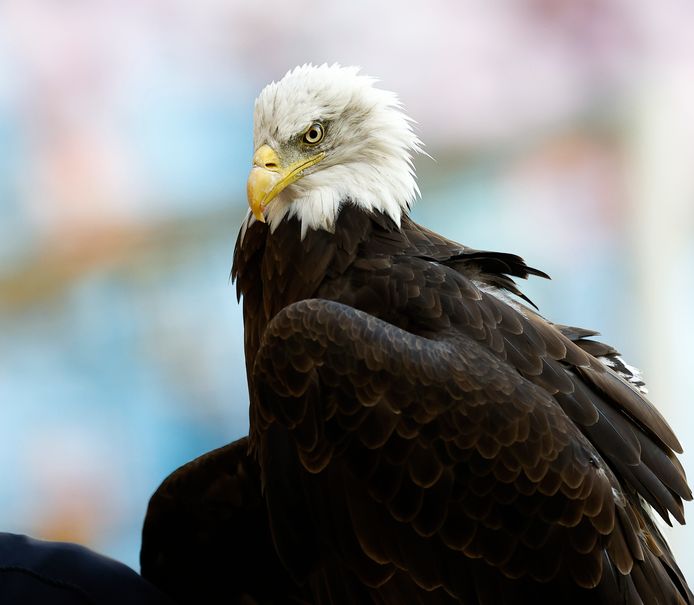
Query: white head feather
[[368, 145]]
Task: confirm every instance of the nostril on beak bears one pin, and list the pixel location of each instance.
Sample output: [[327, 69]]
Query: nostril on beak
[[266, 157]]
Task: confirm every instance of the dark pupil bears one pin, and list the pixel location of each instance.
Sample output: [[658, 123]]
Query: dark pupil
[[313, 134]]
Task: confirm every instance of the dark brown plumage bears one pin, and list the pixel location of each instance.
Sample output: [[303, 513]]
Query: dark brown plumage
[[206, 537], [420, 438], [436, 440]]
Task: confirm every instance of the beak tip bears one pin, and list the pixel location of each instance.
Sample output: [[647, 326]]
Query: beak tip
[[259, 215]]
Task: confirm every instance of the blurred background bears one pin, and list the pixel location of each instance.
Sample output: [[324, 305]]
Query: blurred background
[[562, 130]]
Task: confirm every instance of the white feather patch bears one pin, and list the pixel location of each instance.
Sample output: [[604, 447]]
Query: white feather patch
[[630, 373], [369, 145], [502, 296]]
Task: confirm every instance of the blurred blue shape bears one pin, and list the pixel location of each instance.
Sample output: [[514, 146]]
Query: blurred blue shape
[[15, 232], [91, 366], [192, 154]]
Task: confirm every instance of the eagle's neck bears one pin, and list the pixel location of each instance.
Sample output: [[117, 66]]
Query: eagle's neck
[[273, 269]]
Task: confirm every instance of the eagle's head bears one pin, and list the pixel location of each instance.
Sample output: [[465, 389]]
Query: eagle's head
[[325, 136]]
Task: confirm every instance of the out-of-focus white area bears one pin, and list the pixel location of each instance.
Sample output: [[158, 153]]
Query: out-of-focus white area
[[562, 130]]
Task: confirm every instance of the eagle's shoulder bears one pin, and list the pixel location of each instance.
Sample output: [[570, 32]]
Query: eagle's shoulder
[[488, 269], [406, 273]]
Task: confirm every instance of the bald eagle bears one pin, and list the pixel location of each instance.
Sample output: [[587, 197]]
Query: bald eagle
[[418, 432]]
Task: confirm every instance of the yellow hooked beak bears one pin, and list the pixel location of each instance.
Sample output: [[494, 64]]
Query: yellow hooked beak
[[269, 176]]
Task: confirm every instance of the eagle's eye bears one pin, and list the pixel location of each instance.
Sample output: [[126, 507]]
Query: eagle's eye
[[314, 134]]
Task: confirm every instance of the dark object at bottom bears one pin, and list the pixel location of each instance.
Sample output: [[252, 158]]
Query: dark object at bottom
[[58, 573]]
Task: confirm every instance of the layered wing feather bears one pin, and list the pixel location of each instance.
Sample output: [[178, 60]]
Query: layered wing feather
[[459, 472]]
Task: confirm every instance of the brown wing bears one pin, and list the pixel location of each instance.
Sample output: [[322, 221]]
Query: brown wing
[[206, 537], [458, 462], [428, 298]]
